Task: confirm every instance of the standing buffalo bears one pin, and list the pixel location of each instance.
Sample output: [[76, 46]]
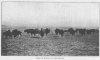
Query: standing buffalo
[[89, 31], [37, 31], [82, 31], [57, 31], [42, 32], [96, 30], [15, 32], [92, 30], [7, 34], [65, 30], [47, 31], [71, 31], [61, 32], [29, 31], [32, 31]]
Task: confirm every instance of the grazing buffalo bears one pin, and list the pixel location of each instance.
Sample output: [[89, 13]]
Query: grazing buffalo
[[7, 34], [82, 31], [16, 32], [71, 31]]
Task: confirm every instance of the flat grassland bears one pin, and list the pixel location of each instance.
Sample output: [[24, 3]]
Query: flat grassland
[[51, 45]]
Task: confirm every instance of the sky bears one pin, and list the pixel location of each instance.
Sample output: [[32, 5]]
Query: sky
[[50, 14]]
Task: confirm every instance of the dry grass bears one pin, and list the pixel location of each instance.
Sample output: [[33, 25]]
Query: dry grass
[[51, 45]]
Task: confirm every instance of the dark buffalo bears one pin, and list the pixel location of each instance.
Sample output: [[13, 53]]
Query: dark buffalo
[[32, 31], [29, 31], [93, 31], [47, 30], [96, 30], [82, 31], [71, 31], [16, 32], [76, 30], [7, 34], [89, 31], [36, 31], [42, 32], [57, 31], [61, 32], [65, 30]]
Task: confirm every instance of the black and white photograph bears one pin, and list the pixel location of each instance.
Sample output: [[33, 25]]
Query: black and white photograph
[[32, 28]]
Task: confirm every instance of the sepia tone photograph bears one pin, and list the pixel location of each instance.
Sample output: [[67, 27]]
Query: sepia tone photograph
[[49, 29]]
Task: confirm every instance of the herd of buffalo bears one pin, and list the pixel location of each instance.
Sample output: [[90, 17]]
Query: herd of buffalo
[[72, 31], [43, 32]]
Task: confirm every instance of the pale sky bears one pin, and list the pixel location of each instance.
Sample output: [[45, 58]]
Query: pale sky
[[50, 14]]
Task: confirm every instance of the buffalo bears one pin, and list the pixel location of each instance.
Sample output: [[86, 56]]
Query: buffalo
[[32, 31], [37, 31], [7, 34], [57, 31], [71, 31], [47, 30], [82, 31], [42, 32], [93, 30], [89, 31], [61, 32], [16, 32], [96, 30], [29, 31]]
